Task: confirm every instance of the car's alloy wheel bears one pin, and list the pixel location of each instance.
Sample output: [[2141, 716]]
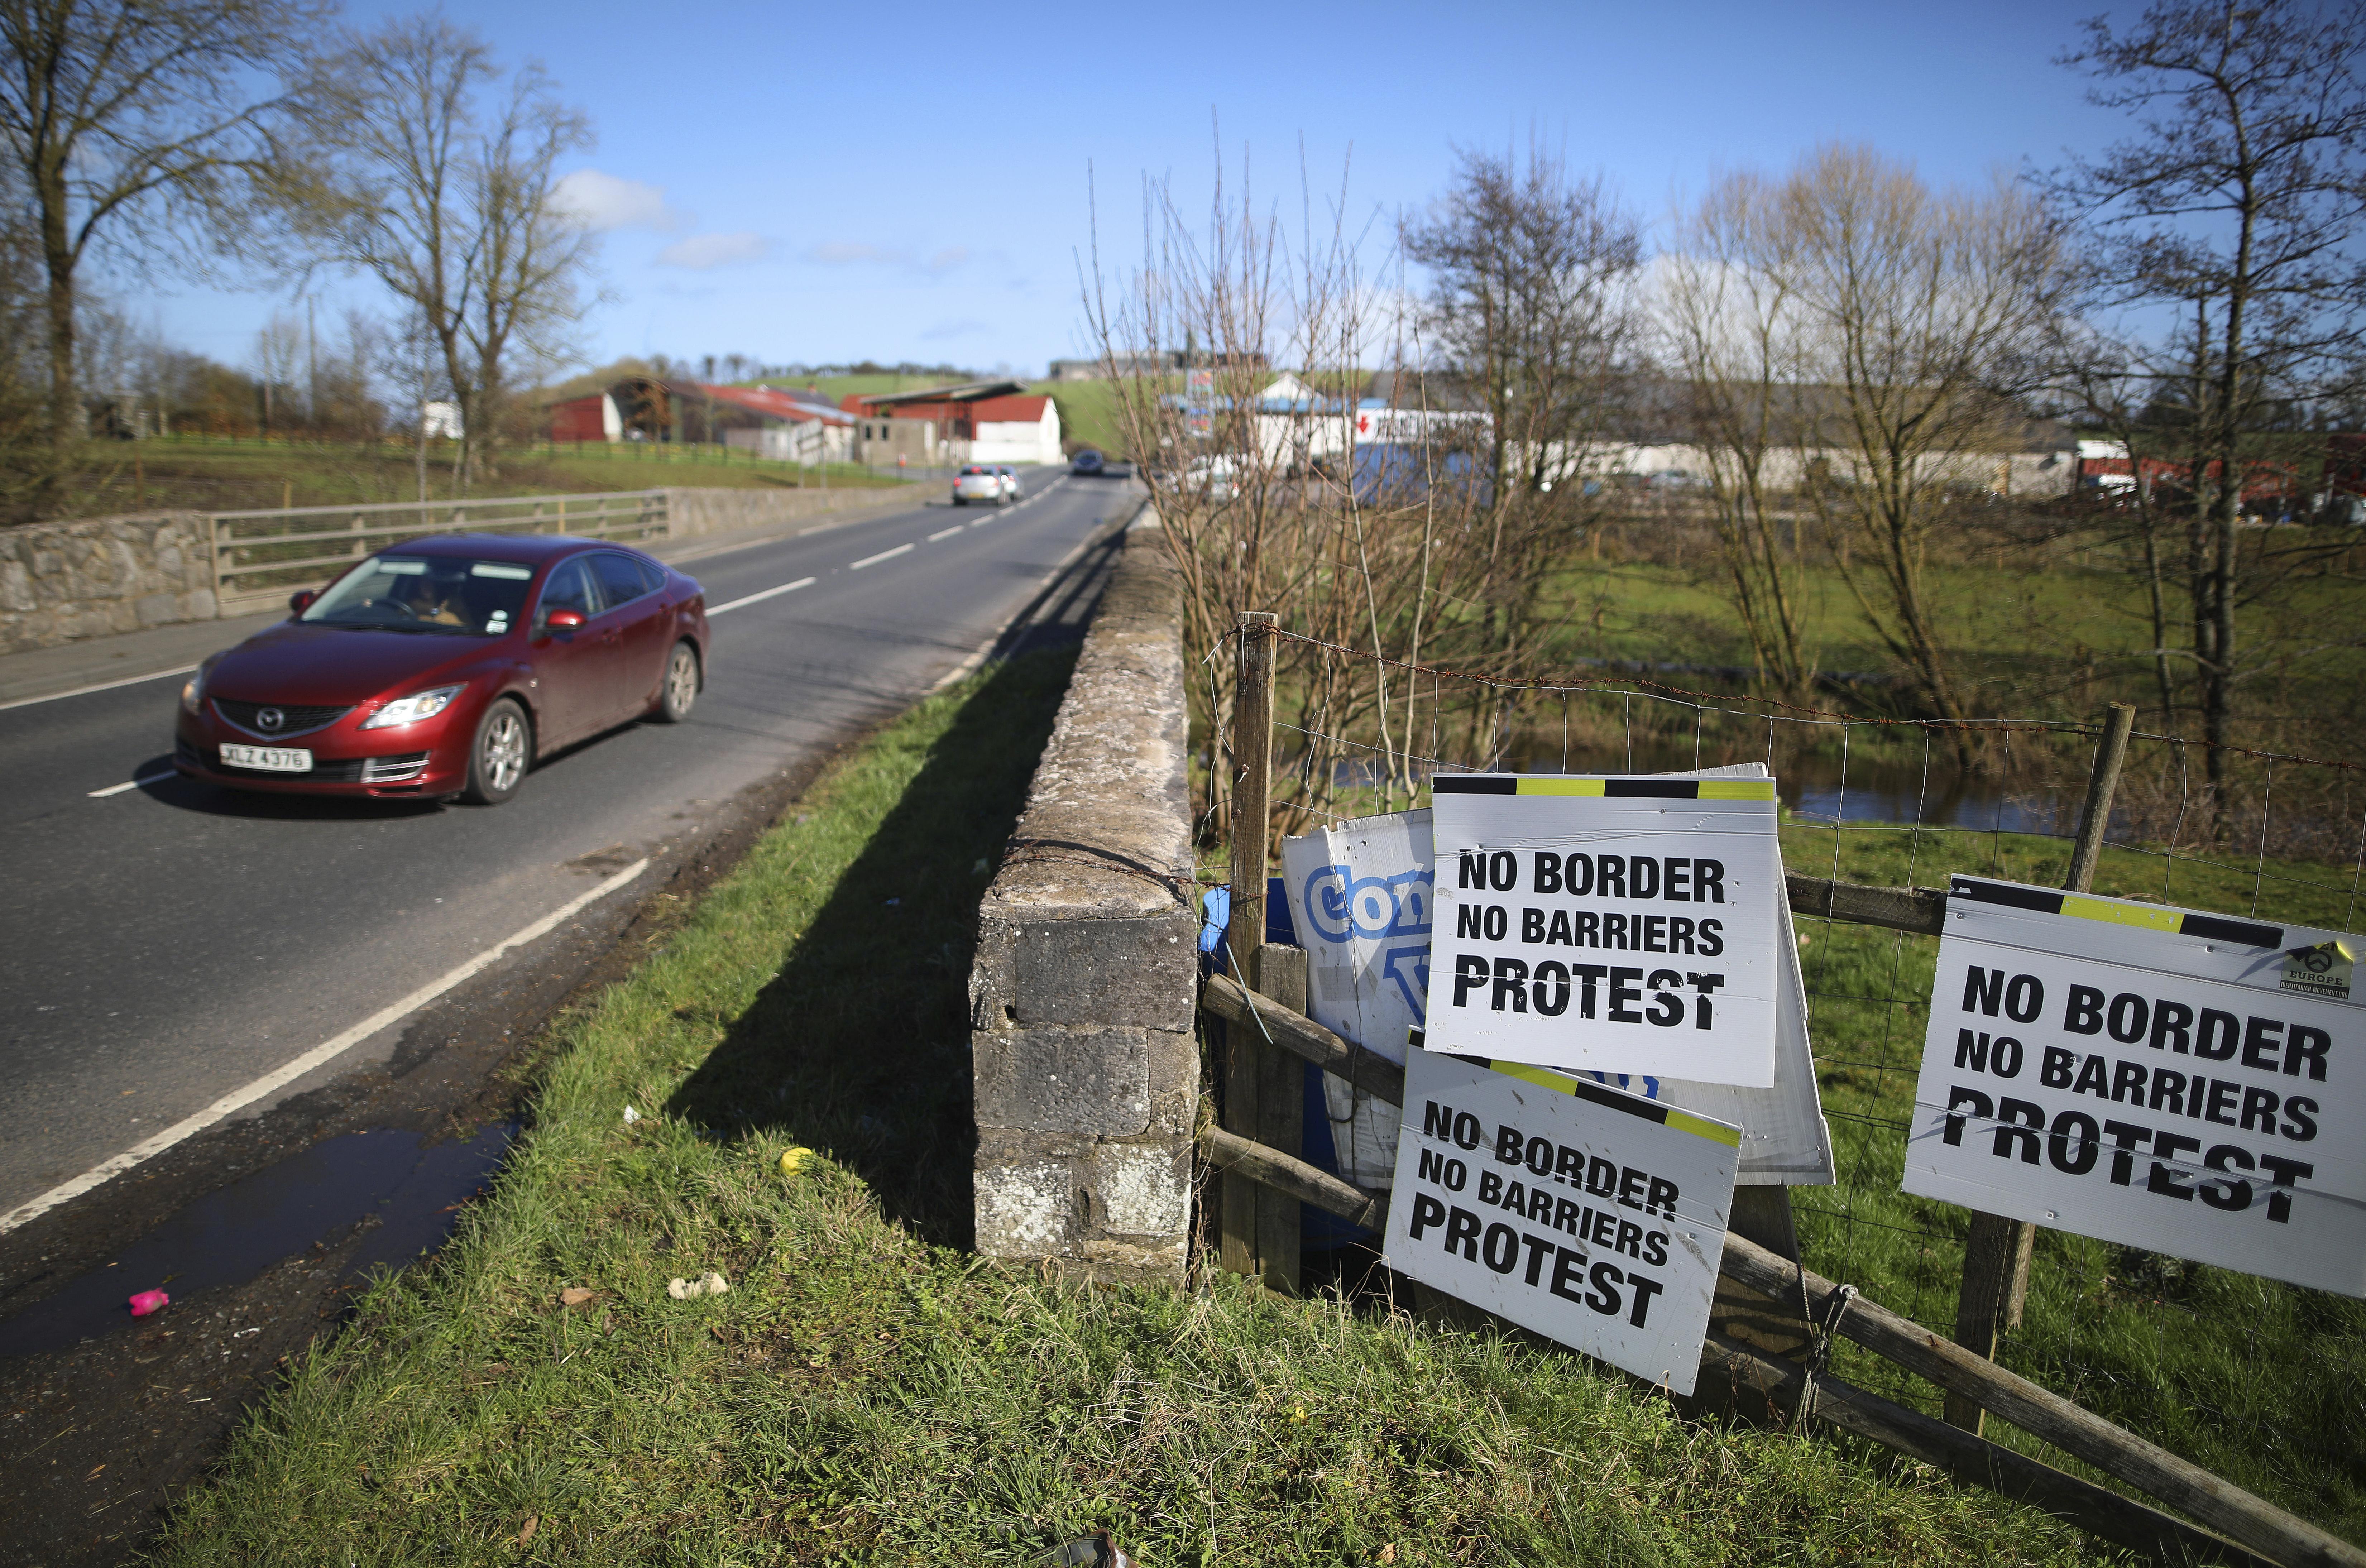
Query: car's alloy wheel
[[504, 749], [681, 689]]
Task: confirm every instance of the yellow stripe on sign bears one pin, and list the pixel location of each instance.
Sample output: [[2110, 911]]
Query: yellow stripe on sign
[[1716, 1133], [1737, 789], [1536, 1075], [2135, 915], [1561, 786]]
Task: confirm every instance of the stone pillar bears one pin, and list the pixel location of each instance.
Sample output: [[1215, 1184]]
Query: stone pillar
[[1082, 1000]]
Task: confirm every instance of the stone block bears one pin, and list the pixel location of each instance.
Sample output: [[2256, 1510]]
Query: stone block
[[1063, 1080], [1141, 1189], [1173, 1059], [1139, 971], [1025, 1207]]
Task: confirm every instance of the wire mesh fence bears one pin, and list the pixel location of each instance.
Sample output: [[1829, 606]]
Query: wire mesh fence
[[2257, 1380]]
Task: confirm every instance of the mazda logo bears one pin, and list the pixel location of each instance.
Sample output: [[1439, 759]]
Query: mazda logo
[[269, 718]]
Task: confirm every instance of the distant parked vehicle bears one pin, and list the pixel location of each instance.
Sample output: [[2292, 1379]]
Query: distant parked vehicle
[[981, 481], [1087, 465], [1212, 476]]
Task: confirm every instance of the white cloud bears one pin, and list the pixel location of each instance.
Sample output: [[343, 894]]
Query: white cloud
[[604, 201], [862, 252], [703, 250], [849, 252]]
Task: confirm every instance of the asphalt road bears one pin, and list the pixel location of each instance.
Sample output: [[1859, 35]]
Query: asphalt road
[[164, 945]]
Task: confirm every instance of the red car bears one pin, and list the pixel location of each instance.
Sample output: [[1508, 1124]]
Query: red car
[[443, 667]]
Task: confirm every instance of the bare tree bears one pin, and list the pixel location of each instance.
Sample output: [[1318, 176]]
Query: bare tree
[[1732, 326], [134, 123], [2233, 219], [1379, 513], [278, 351], [410, 363], [1532, 316], [448, 201], [1922, 313], [29, 467]]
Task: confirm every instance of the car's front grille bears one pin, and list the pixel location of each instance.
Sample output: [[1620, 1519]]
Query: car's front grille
[[293, 718]]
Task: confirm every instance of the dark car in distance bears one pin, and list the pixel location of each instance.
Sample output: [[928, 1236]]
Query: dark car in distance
[[1086, 464], [443, 667]]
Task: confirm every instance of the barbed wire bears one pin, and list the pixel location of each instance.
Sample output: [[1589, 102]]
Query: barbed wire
[[1635, 687]]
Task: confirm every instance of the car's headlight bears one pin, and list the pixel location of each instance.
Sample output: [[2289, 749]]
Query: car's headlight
[[192, 693], [414, 707]]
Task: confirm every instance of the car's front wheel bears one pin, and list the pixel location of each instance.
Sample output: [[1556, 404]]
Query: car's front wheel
[[680, 692], [504, 749]]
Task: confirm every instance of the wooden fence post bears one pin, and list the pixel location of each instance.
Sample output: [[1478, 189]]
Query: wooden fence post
[[1252, 778], [1996, 1253], [1281, 1116]]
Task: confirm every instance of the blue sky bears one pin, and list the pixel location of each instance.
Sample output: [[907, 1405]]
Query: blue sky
[[905, 181]]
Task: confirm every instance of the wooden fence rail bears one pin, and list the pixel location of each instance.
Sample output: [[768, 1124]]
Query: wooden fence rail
[[259, 557]]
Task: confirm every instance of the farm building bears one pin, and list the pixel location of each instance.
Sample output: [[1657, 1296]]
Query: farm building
[[1015, 430], [979, 421], [792, 426]]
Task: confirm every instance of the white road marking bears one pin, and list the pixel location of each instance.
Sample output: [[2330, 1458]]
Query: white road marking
[[947, 533], [135, 783], [101, 686], [884, 555], [754, 598], [328, 1050]]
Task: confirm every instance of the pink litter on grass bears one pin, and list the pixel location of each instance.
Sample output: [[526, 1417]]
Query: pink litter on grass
[[147, 1302]]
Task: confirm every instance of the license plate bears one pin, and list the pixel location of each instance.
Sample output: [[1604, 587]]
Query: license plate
[[268, 759]]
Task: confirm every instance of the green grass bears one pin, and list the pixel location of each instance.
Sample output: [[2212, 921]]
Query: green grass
[[1088, 413], [2257, 1382], [217, 475], [868, 1393], [2056, 639]]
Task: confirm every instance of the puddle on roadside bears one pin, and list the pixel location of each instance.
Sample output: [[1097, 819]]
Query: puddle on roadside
[[230, 1236]]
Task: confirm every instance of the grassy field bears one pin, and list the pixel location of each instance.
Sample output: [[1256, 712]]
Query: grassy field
[[867, 1392], [2030, 640], [217, 475]]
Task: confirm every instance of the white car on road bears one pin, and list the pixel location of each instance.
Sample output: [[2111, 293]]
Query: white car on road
[[987, 482]]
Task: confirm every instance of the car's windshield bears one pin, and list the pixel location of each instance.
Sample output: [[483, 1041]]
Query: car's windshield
[[427, 593]]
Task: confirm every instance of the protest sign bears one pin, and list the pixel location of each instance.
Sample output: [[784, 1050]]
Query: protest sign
[[1593, 1216], [1359, 900], [1360, 897], [1609, 924], [2149, 1076]]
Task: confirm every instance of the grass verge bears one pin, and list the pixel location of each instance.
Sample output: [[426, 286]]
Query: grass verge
[[867, 1392], [217, 475]]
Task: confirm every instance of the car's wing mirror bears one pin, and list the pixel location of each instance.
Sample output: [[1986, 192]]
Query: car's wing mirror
[[562, 620], [302, 600]]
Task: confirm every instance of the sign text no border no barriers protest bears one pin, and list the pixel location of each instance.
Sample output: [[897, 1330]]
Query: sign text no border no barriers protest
[[2160, 1078], [1361, 895], [1593, 1216], [1609, 924]]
